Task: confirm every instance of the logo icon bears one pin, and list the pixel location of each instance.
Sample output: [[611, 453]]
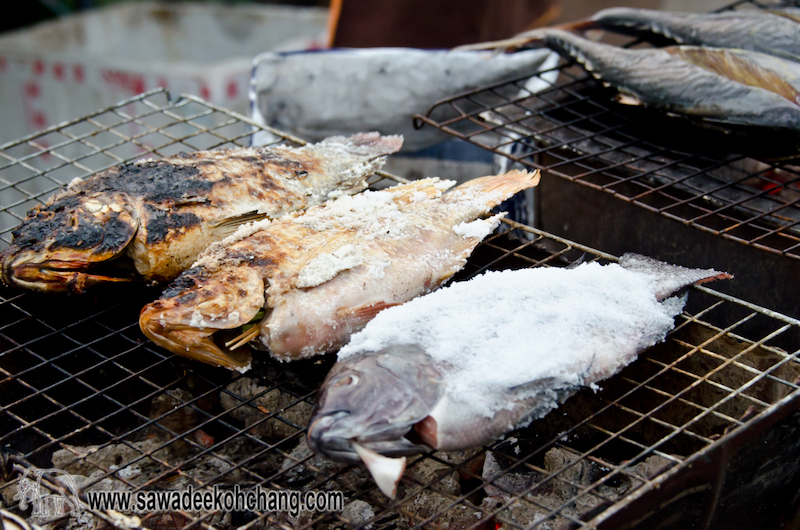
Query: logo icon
[[45, 503]]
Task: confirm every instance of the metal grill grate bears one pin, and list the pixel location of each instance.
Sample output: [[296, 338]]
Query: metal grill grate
[[574, 130], [81, 390]]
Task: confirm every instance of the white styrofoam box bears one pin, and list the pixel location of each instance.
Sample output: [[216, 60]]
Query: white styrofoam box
[[71, 67], [343, 91]]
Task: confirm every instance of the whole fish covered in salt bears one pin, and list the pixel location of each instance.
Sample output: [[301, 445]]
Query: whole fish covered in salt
[[464, 365], [321, 275]]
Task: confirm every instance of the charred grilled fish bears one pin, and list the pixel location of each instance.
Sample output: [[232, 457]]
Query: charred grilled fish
[[322, 274], [714, 85], [774, 32], [464, 365], [163, 213]]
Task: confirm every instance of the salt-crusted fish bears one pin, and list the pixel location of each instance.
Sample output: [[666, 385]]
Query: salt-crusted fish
[[773, 32], [717, 86], [322, 274], [163, 213], [464, 365]]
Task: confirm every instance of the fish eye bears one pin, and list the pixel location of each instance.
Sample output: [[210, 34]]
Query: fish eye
[[347, 380]]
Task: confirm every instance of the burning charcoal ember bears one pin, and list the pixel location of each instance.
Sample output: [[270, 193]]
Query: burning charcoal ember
[[441, 477], [292, 412], [651, 466], [573, 474], [183, 419], [503, 482], [429, 504], [302, 466], [126, 458], [207, 470], [358, 512], [468, 463]]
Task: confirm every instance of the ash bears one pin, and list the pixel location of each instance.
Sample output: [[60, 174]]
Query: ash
[[175, 452], [562, 492]]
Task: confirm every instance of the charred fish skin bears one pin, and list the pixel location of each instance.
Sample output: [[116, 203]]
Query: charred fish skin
[[772, 32], [163, 213], [708, 84], [323, 274], [580, 330], [59, 240]]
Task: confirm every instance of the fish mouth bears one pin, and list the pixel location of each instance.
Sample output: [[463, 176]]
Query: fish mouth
[[57, 275], [190, 342], [328, 436]]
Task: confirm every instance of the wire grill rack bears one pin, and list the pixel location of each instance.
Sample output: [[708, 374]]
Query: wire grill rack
[[573, 129], [85, 398]]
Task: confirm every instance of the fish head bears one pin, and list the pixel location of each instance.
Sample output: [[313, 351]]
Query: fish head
[[58, 243], [374, 400], [198, 304]]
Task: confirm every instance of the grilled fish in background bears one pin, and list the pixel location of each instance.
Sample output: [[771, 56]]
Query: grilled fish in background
[[163, 213], [323, 273], [718, 86], [464, 365], [774, 32]]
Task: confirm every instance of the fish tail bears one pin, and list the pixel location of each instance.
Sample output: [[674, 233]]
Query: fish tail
[[496, 188], [669, 278], [369, 145]]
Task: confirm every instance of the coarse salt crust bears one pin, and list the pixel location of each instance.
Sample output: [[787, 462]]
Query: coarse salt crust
[[326, 265], [507, 329], [215, 252], [479, 228], [370, 213]]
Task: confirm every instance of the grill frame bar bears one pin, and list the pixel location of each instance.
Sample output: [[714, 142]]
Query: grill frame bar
[[161, 375], [482, 117]]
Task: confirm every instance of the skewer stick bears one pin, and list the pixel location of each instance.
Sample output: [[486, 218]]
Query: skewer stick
[[244, 338]]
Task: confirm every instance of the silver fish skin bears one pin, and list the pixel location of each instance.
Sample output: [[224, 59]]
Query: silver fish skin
[[407, 383], [160, 214], [773, 32], [736, 87]]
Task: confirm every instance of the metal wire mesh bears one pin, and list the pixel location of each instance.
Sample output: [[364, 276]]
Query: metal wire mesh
[[575, 130], [83, 392]]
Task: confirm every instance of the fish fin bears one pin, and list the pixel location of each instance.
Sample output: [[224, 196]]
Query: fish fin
[[628, 99], [428, 431], [432, 187], [574, 264], [669, 278], [384, 470], [365, 312], [229, 225], [494, 189], [740, 67], [371, 144]]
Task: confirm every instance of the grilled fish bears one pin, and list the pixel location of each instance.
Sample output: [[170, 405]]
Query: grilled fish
[[322, 274], [717, 86], [775, 32], [163, 213], [464, 365]]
